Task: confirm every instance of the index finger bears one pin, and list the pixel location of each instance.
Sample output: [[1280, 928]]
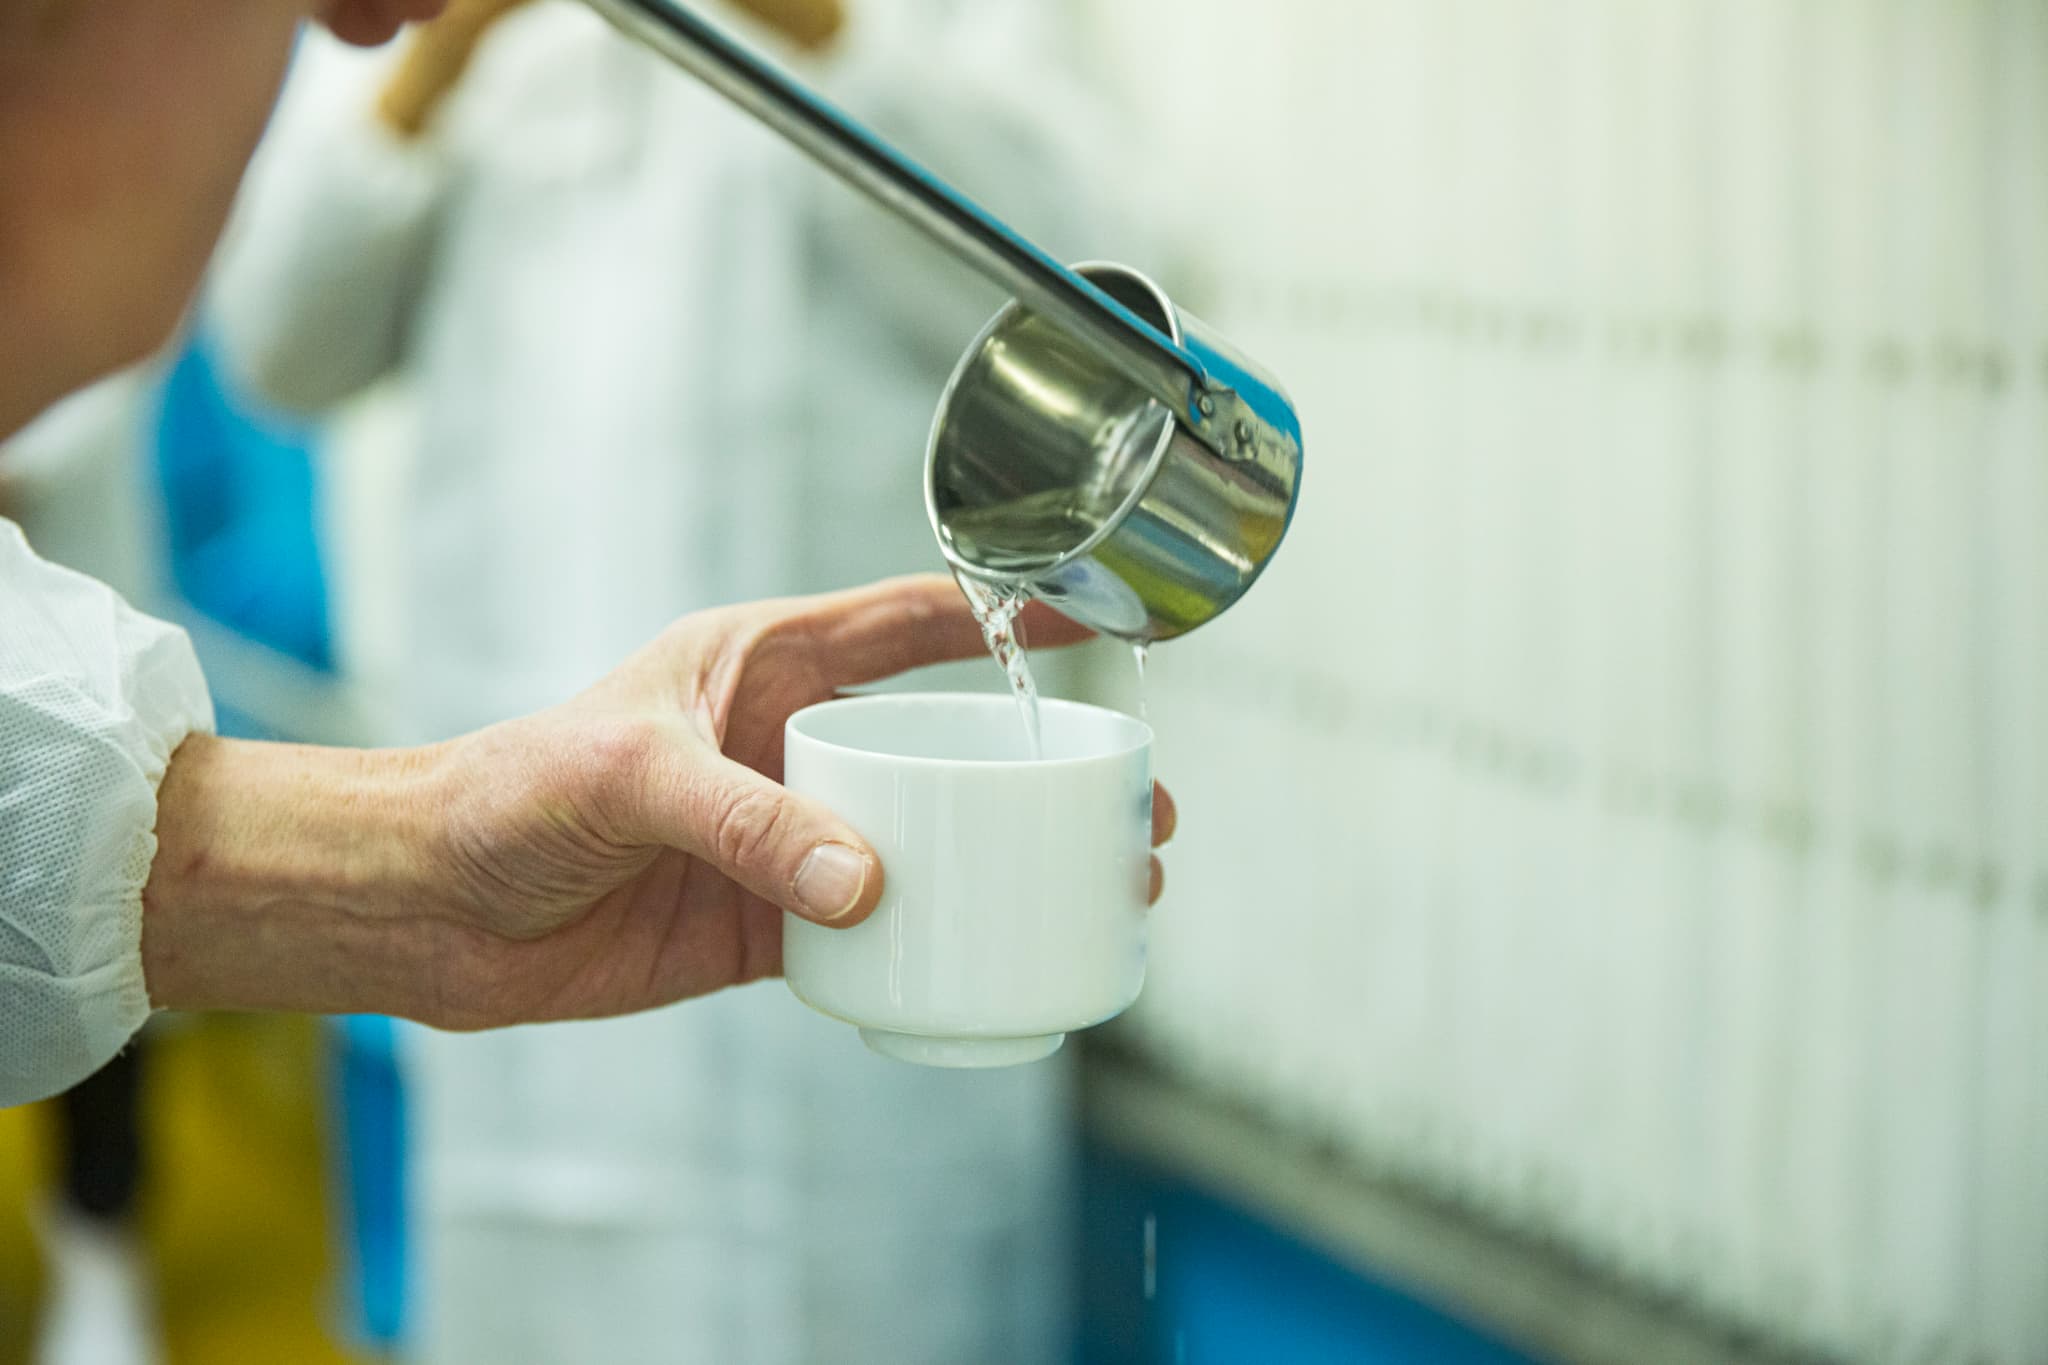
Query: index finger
[[867, 634]]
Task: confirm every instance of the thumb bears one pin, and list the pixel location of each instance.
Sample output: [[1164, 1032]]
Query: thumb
[[785, 848]]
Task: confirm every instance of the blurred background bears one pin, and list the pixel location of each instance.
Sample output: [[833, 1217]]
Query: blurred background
[[1610, 917]]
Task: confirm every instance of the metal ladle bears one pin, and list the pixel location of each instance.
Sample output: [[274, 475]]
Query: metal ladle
[[1233, 440]]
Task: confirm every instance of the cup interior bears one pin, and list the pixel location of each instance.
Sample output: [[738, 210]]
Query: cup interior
[[947, 727]]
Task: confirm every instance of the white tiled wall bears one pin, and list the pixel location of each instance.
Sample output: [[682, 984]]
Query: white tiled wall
[[1625, 803]]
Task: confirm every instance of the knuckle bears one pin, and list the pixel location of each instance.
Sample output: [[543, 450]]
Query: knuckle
[[624, 748], [748, 827]]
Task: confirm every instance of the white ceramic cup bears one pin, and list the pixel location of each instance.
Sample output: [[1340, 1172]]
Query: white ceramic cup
[[1013, 905]]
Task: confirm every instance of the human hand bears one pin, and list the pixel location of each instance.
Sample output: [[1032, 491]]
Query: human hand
[[434, 63], [635, 847], [810, 24], [627, 849]]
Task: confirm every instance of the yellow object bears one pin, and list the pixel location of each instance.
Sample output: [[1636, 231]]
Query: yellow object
[[235, 1203]]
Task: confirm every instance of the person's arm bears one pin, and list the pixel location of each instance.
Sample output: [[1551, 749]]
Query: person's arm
[[628, 849], [435, 59], [625, 850], [810, 24], [311, 297]]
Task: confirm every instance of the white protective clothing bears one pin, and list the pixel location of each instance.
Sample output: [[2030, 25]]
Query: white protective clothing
[[94, 697], [661, 362]]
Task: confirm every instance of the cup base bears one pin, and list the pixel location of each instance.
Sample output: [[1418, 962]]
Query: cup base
[[961, 1053]]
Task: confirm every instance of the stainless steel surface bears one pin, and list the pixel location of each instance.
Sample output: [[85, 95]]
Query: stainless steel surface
[[1167, 371], [1119, 455], [1048, 469]]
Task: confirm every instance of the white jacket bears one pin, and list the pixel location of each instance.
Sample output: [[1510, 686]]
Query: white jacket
[[662, 362], [94, 698]]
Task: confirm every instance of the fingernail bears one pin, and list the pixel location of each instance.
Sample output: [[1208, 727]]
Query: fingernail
[[830, 881]]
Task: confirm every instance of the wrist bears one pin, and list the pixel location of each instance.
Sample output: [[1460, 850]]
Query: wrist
[[293, 878]]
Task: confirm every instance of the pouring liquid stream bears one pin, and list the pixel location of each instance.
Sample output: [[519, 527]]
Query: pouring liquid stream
[[996, 608]]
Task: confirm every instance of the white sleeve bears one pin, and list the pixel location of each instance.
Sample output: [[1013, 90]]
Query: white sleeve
[[313, 287], [94, 697]]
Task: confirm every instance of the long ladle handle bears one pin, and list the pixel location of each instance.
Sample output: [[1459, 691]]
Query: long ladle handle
[[903, 187]]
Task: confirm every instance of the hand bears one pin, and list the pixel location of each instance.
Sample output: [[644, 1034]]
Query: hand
[[810, 24], [434, 63], [625, 850]]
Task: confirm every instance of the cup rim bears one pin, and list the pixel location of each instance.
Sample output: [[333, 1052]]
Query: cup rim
[[1088, 270], [1141, 733]]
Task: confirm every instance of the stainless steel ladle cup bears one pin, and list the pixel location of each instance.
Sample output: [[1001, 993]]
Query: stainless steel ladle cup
[[1097, 443], [1048, 468]]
